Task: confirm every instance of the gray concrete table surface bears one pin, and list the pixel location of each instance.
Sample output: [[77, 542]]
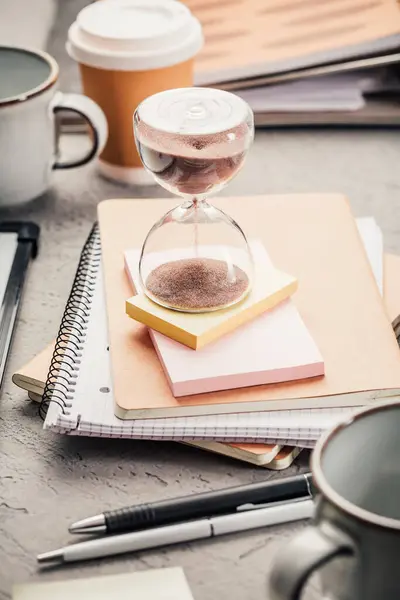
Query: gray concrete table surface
[[46, 480]]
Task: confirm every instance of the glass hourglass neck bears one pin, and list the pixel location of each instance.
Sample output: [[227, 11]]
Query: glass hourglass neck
[[196, 210], [196, 201], [192, 211]]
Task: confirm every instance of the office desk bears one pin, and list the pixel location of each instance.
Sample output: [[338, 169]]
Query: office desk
[[47, 481]]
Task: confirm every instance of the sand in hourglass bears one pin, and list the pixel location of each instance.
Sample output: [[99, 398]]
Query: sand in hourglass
[[198, 283]]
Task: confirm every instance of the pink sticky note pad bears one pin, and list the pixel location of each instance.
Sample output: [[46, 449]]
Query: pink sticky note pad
[[273, 348]]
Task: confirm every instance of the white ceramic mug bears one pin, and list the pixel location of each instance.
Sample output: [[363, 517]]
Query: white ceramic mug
[[29, 100]]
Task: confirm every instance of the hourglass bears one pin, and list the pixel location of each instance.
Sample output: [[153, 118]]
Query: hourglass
[[194, 141]]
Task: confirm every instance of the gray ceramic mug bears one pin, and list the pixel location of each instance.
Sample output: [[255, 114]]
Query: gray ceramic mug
[[356, 470]]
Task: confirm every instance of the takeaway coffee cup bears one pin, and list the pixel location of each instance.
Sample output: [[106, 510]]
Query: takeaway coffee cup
[[356, 533], [29, 101], [128, 50]]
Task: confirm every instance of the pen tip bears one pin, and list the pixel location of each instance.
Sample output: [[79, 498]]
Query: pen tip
[[76, 528], [94, 524], [50, 557]]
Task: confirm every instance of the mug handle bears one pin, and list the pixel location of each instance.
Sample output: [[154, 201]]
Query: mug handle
[[312, 548], [93, 115]]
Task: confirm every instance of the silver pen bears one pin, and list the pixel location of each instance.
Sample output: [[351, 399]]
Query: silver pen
[[246, 520]]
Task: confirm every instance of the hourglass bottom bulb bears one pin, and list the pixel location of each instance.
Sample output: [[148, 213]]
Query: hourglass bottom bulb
[[197, 284]]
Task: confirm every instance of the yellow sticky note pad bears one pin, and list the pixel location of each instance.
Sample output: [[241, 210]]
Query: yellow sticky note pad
[[195, 330]]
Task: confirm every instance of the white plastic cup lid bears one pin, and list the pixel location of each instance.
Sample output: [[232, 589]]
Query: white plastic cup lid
[[134, 35]]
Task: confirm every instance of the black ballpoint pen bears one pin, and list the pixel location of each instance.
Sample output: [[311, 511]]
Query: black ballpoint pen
[[218, 502]]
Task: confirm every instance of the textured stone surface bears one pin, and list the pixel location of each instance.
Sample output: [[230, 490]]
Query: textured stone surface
[[47, 481]]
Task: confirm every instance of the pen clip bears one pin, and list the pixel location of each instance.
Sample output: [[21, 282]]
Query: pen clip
[[250, 506], [308, 479]]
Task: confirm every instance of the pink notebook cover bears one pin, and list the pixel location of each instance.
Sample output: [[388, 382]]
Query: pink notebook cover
[[273, 348]]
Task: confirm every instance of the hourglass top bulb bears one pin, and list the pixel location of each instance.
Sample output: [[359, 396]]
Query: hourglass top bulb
[[193, 141]]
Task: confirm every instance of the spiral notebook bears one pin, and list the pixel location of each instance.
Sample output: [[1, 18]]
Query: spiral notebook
[[78, 392]]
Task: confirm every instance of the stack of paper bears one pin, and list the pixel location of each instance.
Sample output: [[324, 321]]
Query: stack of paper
[[282, 348], [339, 50], [302, 234], [119, 373]]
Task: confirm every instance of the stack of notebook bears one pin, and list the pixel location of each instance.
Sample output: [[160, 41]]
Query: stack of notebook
[[106, 378], [307, 62]]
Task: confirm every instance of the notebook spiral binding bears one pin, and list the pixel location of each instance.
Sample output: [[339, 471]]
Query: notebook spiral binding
[[61, 379]]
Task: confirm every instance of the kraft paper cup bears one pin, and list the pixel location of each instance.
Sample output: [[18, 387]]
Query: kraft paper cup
[[128, 50]]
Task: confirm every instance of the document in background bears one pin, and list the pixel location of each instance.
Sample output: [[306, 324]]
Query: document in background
[[339, 92], [249, 38]]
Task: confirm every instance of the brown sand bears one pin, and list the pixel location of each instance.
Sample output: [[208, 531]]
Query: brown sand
[[197, 284]]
